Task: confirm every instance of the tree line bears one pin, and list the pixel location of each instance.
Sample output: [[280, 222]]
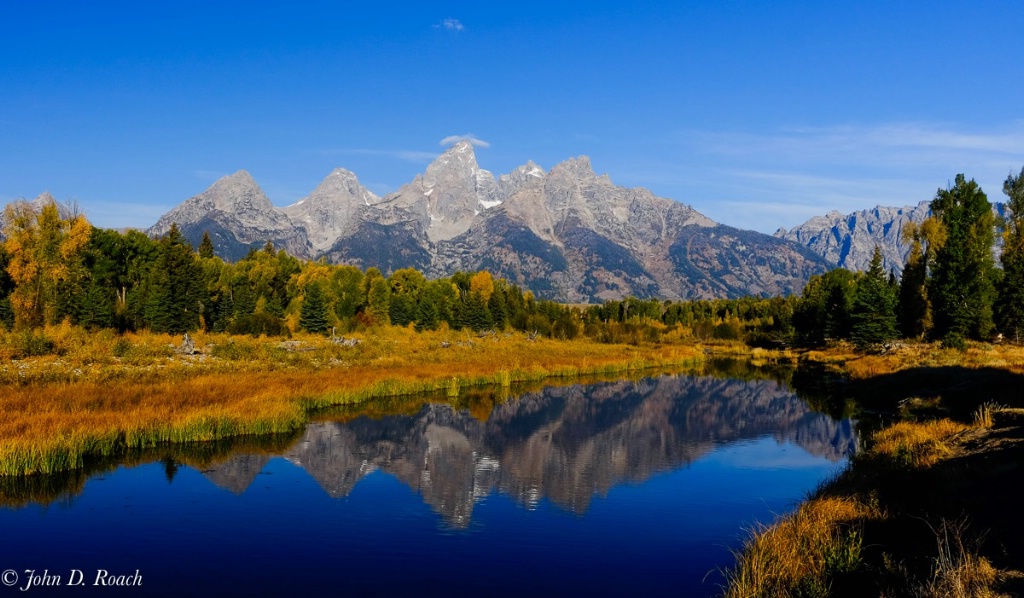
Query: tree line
[[950, 290], [55, 266]]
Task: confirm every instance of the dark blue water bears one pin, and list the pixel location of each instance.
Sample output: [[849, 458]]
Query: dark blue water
[[638, 488]]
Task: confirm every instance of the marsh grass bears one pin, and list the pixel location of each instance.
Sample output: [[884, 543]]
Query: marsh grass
[[803, 553], [916, 445], [103, 395], [983, 415], [958, 571], [826, 541]]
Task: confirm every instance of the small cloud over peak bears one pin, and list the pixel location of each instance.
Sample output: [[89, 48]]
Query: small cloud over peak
[[451, 25], [468, 137]]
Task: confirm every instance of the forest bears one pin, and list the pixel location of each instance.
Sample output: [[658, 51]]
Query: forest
[[56, 267]]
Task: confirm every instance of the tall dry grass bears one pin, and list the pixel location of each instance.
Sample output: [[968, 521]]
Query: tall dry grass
[[802, 553], [100, 394], [917, 444]]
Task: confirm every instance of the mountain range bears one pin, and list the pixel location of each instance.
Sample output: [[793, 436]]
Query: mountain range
[[849, 240], [566, 234]]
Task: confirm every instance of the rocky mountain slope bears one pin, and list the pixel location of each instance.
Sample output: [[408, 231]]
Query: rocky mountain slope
[[848, 240], [238, 215], [568, 234]]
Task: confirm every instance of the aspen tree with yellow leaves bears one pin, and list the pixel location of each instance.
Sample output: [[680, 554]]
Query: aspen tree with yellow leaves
[[44, 249]]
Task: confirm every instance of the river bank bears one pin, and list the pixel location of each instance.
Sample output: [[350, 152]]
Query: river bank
[[93, 395], [927, 509]]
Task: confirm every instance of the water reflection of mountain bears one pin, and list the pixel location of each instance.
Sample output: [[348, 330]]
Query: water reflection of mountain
[[565, 444]]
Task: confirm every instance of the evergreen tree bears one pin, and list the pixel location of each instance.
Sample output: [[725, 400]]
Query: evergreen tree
[[914, 312], [225, 311], [428, 316], [313, 316], [497, 306], [1010, 302], [402, 310], [174, 286], [823, 312], [873, 314], [477, 316], [961, 288], [206, 246], [244, 302]]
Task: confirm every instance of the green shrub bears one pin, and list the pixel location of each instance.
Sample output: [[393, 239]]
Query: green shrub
[[259, 323], [954, 340], [32, 343], [122, 347]]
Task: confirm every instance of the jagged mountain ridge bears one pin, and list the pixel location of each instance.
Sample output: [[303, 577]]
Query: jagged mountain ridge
[[849, 240], [567, 234], [238, 216]]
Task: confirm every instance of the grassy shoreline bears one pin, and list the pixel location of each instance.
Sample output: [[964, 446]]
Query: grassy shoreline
[[99, 395], [926, 509], [89, 401]]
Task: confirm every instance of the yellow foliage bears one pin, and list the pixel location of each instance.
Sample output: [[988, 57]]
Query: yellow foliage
[[482, 282], [44, 251]]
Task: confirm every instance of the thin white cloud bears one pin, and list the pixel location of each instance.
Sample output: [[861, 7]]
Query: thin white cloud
[[471, 138], [451, 25], [781, 177], [911, 143]]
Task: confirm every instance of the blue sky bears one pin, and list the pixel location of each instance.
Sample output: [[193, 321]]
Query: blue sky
[[759, 114]]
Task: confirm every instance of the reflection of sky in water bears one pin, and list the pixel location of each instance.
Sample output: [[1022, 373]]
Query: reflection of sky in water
[[762, 453], [609, 490]]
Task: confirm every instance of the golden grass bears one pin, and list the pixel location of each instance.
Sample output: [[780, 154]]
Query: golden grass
[[862, 367], [958, 572], [801, 552], [983, 415], [57, 411], [917, 445]]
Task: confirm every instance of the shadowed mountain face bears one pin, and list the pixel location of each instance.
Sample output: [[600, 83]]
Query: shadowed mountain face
[[568, 234], [566, 444]]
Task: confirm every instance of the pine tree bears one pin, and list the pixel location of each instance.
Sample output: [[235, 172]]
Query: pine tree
[[174, 286], [914, 312], [496, 305], [823, 312], [313, 316], [1010, 302], [873, 314], [206, 246], [961, 288], [478, 317], [225, 311]]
